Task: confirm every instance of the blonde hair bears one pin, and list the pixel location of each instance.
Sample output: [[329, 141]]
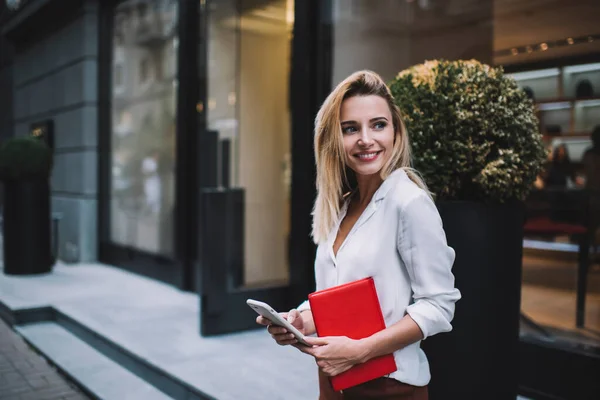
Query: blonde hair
[[333, 176]]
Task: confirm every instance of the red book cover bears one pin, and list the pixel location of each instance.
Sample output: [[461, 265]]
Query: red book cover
[[352, 310]]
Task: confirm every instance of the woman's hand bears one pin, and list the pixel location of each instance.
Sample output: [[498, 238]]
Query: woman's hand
[[335, 354], [281, 335]]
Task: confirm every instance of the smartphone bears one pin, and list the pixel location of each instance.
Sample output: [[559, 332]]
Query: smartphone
[[267, 311]]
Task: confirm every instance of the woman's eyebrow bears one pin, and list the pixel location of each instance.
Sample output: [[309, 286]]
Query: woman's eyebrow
[[349, 122], [378, 118]]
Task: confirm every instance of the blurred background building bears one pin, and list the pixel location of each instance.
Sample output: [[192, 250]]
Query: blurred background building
[[182, 134]]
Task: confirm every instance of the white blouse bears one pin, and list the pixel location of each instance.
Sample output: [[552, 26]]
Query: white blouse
[[400, 242]]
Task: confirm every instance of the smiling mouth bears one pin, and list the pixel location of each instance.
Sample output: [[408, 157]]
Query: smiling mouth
[[368, 155]]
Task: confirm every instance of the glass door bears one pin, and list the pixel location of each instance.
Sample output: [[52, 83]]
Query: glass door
[[246, 158]]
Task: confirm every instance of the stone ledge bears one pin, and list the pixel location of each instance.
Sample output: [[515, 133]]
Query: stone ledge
[[84, 365], [143, 370]]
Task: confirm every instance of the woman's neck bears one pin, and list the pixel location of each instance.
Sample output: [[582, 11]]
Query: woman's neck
[[367, 186]]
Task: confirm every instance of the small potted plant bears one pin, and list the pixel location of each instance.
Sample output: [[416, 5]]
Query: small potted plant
[[25, 168], [475, 140]]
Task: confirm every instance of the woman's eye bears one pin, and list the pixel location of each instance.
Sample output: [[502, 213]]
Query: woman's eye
[[348, 129], [380, 125]]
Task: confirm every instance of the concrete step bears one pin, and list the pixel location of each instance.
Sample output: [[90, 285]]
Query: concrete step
[[91, 370]]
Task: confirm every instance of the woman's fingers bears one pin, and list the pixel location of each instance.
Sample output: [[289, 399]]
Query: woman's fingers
[[280, 334], [284, 338], [292, 316], [286, 342], [262, 320], [276, 330]]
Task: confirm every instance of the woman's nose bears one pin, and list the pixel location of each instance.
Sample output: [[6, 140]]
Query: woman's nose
[[365, 138]]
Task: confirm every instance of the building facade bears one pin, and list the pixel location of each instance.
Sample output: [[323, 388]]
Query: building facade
[[116, 80]]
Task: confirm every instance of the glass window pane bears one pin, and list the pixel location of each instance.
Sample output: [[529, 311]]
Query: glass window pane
[[538, 43], [143, 125], [248, 79]]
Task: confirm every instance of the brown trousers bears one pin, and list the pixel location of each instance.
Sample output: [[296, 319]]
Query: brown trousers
[[381, 388]]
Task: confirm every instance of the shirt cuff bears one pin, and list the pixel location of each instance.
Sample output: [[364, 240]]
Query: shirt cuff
[[304, 306], [429, 318]]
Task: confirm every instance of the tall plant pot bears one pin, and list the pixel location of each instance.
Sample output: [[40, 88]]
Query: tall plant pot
[[26, 228], [479, 358]]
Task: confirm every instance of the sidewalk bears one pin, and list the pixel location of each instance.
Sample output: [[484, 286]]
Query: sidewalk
[[25, 375], [126, 337], [131, 327]]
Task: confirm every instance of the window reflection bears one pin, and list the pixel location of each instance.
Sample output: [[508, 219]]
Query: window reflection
[[143, 125]]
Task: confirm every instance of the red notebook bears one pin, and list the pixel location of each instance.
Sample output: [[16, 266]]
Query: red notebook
[[352, 310]]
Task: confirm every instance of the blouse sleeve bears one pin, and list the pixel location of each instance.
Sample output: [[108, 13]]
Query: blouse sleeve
[[422, 245]]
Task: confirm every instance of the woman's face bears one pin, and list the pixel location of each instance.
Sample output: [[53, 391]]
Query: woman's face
[[367, 132]]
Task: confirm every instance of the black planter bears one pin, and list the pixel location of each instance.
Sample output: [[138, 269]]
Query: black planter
[[480, 357], [26, 228]]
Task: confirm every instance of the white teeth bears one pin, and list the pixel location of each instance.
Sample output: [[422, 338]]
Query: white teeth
[[367, 156]]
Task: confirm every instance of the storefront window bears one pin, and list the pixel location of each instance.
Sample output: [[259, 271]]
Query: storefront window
[[249, 52], [562, 209], [539, 44], [143, 125]]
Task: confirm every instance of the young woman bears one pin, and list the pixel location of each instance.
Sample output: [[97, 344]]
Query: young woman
[[373, 217]]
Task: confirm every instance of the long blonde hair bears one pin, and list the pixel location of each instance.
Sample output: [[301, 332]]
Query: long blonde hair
[[333, 177]]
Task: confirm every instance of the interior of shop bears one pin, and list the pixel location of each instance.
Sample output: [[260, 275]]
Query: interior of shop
[[553, 54]]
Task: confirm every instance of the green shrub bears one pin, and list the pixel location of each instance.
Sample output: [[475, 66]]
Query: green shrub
[[474, 133], [25, 158]]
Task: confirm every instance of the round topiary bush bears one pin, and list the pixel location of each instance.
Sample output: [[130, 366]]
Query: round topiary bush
[[25, 158], [474, 133]]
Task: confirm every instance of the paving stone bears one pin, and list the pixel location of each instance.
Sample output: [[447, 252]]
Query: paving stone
[[25, 375], [92, 370], [37, 382]]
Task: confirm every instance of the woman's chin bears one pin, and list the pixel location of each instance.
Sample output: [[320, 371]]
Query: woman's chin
[[366, 170]]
